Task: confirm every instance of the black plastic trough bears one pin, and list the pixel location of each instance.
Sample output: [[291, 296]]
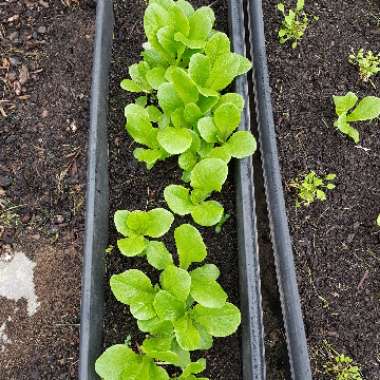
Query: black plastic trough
[[283, 254], [96, 239]]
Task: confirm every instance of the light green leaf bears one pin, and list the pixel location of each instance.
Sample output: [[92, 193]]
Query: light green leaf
[[155, 114], [160, 222], [168, 99], [139, 125], [205, 290], [144, 368], [176, 281], [187, 334], [194, 368], [233, 98], [131, 287], [192, 113], [168, 307], [223, 71], [156, 77], [244, 64], [207, 129], [190, 245], [367, 109], [138, 73], [186, 7], [156, 326], [155, 17], [241, 144], [142, 311], [217, 45], [178, 199], [206, 103], [158, 256], [209, 174], [199, 68], [346, 128], [206, 339], [120, 220], [227, 119], [178, 20], [184, 86], [130, 85], [221, 152], [207, 213], [201, 23], [218, 322], [187, 160], [165, 37], [344, 103], [149, 156], [174, 140], [111, 364], [138, 221], [132, 246]]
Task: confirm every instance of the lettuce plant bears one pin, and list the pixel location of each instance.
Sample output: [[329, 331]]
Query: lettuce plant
[[294, 23], [311, 188], [368, 64], [182, 110], [342, 367], [350, 110]]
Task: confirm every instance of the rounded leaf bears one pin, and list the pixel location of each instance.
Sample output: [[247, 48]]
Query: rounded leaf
[[120, 220], [207, 213], [178, 199], [174, 140], [157, 255], [160, 221], [241, 144], [227, 118], [167, 307], [132, 246], [187, 334], [209, 174], [177, 281]]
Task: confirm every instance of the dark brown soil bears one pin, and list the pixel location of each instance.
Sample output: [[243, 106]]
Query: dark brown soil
[[336, 243], [133, 187], [45, 71]]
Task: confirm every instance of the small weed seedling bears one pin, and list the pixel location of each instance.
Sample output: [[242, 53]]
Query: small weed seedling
[[343, 368], [367, 109], [294, 23], [369, 63], [312, 188]]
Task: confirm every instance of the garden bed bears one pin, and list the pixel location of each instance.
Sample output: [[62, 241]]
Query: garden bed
[[336, 243]]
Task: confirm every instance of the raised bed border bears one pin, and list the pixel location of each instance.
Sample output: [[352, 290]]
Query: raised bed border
[[281, 241], [96, 235]]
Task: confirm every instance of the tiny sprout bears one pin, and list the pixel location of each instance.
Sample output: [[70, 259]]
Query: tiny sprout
[[294, 23], [369, 63], [342, 368], [109, 249], [378, 220], [311, 188]]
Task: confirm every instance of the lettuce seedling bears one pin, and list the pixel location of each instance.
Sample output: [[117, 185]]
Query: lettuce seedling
[[311, 188], [294, 24], [137, 225], [350, 110], [369, 63], [341, 367]]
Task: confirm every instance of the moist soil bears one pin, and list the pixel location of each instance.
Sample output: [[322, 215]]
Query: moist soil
[[336, 242], [45, 73], [133, 187]]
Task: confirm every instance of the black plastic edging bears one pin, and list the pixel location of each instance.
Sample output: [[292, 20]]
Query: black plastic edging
[[96, 235], [252, 344], [282, 246]]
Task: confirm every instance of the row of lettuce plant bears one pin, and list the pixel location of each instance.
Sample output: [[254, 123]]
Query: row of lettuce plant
[[183, 111]]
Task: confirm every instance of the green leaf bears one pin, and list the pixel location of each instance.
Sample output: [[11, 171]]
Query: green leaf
[[241, 144], [207, 213], [330, 186], [178, 199], [227, 119], [155, 326], [206, 339], [111, 364], [155, 17], [194, 368], [142, 311], [330, 177], [186, 7], [367, 109], [120, 220], [138, 73], [165, 38], [178, 20], [138, 221], [139, 125], [244, 64], [174, 140], [176, 281], [160, 222], [199, 68], [345, 128], [344, 103], [143, 367], [184, 86], [209, 174], [205, 290], [130, 85], [233, 98], [155, 114], [158, 256], [218, 322], [190, 245], [221, 152], [218, 45], [167, 306], [149, 156], [223, 72], [187, 334], [132, 287], [156, 77], [201, 23], [168, 99], [187, 160], [132, 246], [192, 113], [207, 129]]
